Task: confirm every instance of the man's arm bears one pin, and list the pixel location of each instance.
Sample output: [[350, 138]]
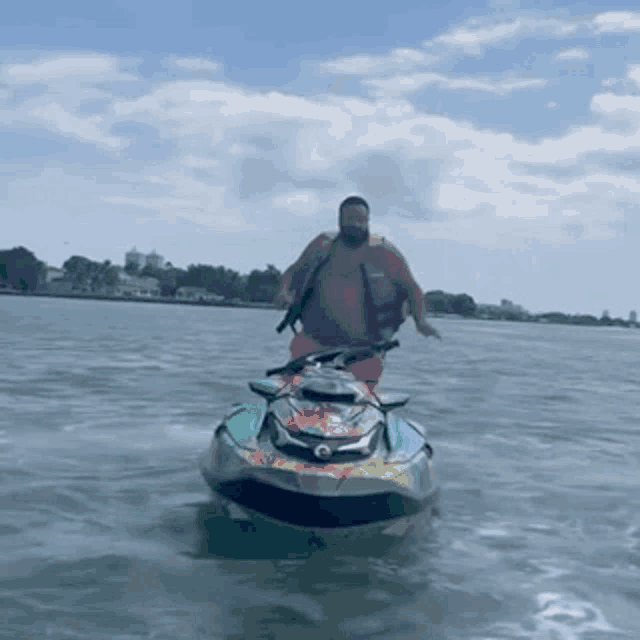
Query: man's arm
[[418, 306], [285, 296]]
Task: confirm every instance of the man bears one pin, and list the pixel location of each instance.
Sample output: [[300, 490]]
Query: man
[[350, 288]]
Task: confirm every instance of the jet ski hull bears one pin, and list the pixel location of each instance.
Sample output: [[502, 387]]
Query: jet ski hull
[[324, 454], [381, 493]]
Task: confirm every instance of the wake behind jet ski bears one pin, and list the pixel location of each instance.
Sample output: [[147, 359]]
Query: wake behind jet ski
[[322, 453]]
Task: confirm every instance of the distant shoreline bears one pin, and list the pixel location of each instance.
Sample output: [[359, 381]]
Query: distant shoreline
[[151, 299], [532, 319], [542, 319]]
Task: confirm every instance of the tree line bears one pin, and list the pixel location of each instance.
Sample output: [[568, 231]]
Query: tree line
[[21, 270], [257, 286]]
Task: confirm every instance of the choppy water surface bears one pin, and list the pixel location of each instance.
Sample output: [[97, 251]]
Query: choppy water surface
[[106, 527]]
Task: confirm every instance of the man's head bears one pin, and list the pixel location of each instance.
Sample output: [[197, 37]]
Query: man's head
[[354, 221]]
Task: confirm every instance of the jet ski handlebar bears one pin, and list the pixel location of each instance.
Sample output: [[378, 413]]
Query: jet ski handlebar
[[342, 357]]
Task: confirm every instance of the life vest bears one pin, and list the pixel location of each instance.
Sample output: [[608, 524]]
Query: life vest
[[383, 297]]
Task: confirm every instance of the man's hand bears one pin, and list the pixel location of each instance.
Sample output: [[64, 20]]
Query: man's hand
[[427, 330], [284, 299], [422, 325]]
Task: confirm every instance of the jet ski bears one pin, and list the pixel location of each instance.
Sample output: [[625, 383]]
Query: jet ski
[[322, 453]]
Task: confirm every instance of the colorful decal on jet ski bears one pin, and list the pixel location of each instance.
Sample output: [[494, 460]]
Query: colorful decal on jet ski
[[322, 451]]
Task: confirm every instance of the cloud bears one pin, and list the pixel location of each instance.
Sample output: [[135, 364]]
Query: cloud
[[54, 68], [54, 91], [184, 197], [625, 86], [404, 71], [437, 176], [195, 162], [417, 81], [302, 204], [633, 74], [476, 36], [576, 53], [362, 65], [196, 64], [617, 22], [472, 38], [87, 129], [237, 154]]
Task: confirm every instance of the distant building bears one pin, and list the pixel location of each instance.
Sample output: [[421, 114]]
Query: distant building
[[197, 294], [507, 305], [154, 260], [123, 276], [633, 317], [60, 285], [135, 287], [53, 273], [134, 257], [506, 310]]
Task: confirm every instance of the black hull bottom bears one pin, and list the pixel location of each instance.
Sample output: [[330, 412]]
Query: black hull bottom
[[310, 511]]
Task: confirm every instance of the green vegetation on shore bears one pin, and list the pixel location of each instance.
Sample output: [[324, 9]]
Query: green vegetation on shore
[[21, 271]]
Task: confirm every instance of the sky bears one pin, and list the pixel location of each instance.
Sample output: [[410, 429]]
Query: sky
[[497, 143]]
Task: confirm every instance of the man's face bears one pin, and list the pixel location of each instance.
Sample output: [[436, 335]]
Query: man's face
[[354, 217], [354, 226]]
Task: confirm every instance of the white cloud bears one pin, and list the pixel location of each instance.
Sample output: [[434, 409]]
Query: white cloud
[[189, 200], [362, 65], [576, 53], [475, 37], [55, 68], [633, 74], [489, 187], [551, 105], [197, 64], [61, 86], [417, 81], [87, 129], [408, 66], [475, 198], [472, 38], [617, 21], [627, 85], [618, 108], [300, 203], [195, 162]]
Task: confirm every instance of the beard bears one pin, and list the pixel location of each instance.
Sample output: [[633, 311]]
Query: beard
[[354, 237]]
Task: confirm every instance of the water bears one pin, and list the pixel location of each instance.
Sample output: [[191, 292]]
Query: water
[[106, 528]]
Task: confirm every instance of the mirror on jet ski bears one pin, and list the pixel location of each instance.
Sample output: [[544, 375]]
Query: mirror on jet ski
[[267, 389], [391, 401]]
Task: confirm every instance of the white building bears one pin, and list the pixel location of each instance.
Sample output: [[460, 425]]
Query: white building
[[633, 317], [134, 257], [507, 305], [154, 260], [54, 273], [198, 294], [135, 287]]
